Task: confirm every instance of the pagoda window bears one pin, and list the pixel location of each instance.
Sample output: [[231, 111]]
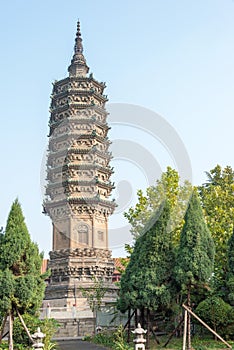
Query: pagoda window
[[82, 232]]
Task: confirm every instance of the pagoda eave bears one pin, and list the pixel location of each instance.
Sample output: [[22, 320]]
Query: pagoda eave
[[79, 200]]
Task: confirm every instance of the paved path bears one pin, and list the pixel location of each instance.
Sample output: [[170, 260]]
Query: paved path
[[77, 345]]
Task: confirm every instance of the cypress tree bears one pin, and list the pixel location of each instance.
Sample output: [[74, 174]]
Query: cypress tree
[[195, 259], [146, 282], [21, 283]]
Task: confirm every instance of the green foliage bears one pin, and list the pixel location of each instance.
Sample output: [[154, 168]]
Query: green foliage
[[113, 340], [217, 314], [194, 263], [7, 285], [47, 326], [103, 338], [95, 294], [106, 339], [119, 340], [19, 334], [146, 281], [230, 274], [217, 196], [167, 188], [21, 282], [50, 346], [4, 345], [231, 253], [124, 261]]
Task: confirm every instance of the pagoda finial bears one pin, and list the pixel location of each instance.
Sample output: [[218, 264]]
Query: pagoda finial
[[78, 44], [78, 65]]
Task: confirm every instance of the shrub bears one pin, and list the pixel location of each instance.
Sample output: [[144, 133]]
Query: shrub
[[217, 314], [47, 326], [113, 340]]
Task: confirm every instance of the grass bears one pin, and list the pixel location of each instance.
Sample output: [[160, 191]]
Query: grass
[[197, 344], [107, 339]]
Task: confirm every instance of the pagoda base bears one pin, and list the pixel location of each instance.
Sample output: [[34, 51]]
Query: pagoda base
[[75, 270]]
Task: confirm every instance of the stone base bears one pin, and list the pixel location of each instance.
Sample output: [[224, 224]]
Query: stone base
[[70, 328], [73, 269]]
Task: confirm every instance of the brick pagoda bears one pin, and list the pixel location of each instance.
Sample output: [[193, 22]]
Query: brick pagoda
[[78, 184]]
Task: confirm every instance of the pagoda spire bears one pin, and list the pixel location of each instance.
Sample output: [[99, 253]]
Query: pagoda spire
[[78, 65], [78, 41]]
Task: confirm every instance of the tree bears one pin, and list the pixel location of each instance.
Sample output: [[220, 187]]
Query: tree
[[146, 282], [230, 274], [217, 196], [21, 283], [94, 296], [167, 188], [195, 258]]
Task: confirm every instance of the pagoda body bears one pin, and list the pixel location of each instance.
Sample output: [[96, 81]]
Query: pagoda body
[[78, 184]]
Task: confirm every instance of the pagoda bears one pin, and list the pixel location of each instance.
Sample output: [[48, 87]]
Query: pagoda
[[78, 184]]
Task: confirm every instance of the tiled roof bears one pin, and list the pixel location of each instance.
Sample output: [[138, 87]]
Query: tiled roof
[[118, 265]]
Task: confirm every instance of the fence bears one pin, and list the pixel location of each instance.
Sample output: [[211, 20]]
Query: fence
[[72, 312], [108, 316]]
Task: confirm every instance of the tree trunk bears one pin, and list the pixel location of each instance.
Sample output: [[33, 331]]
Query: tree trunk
[[185, 329], [2, 327], [136, 318], [129, 323], [148, 328], [129, 320], [10, 341], [95, 322], [143, 317], [189, 319]]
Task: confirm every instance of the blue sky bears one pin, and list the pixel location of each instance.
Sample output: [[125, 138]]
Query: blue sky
[[173, 57]]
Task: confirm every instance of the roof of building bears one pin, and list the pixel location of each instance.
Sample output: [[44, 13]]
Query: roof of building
[[118, 265]]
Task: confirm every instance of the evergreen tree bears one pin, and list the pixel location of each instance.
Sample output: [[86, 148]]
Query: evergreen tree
[[21, 283], [194, 263], [146, 282]]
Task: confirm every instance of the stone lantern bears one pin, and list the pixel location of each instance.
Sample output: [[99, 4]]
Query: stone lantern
[[38, 336], [139, 340]]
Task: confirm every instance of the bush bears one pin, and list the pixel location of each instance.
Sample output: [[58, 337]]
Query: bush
[[113, 340], [119, 340], [4, 345], [20, 337], [217, 314]]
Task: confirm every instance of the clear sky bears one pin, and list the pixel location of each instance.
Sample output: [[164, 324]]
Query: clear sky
[[173, 57]]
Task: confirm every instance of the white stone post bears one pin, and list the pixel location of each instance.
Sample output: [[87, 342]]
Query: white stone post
[[74, 311], [139, 341], [48, 311]]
